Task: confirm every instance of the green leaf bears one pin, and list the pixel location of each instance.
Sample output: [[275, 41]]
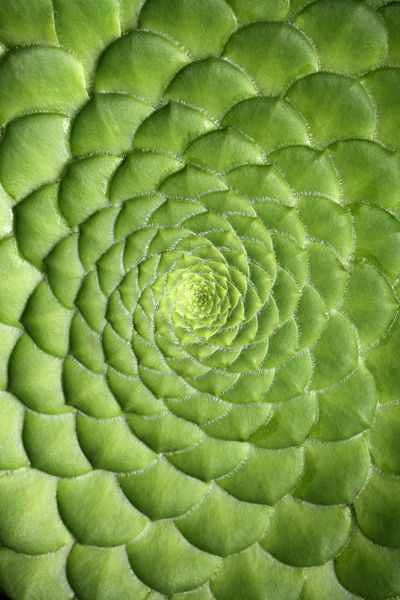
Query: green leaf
[[175, 564], [97, 512], [200, 27], [287, 55], [39, 85]]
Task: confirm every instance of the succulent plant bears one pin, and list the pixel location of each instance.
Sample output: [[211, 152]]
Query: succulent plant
[[199, 299]]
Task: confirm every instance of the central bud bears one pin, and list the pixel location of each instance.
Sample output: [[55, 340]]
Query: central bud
[[199, 296], [195, 295], [199, 299]]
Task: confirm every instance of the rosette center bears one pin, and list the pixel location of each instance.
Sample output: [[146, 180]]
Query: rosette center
[[199, 298]]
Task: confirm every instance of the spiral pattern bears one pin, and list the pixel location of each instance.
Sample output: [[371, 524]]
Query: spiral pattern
[[199, 299]]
